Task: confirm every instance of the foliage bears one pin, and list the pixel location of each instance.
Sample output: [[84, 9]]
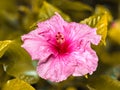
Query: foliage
[[17, 17], [16, 84], [106, 81], [100, 22]]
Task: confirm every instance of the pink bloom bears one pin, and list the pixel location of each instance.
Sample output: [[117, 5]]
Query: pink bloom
[[62, 48]]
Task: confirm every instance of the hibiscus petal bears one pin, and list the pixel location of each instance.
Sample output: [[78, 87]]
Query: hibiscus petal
[[82, 31], [56, 69], [54, 25], [37, 47], [68, 54], [86, 61]]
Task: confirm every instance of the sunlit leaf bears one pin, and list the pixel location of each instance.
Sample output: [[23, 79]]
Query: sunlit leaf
[[18, 63], [100, 9], [4, 46], [100, 22], [104, 83], [47, 10], [17, 84]]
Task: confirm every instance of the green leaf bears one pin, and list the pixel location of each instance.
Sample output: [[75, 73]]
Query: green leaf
[[5, 5], [71, 5], [100, 22], [4, 46], [90, 88], [100, 9], [104, 82], [18, 63], [114, 72], [114, 32], [76, 9], [47, 10], [106, 57], [110, 1], [3, 76], [10, 27], [17, 84]]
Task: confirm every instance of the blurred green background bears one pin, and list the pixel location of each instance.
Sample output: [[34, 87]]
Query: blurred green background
[[17, 17]]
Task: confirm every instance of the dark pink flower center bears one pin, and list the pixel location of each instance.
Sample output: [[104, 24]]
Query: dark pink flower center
[[60, 38], [61, 44]]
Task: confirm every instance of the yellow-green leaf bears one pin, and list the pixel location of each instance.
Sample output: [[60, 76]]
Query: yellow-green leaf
[[106, 57], [100, 22], [5, 5], [47, 10], [102, 9], [75, 9], [3, 76], [104, 82], [18, 63], [114, 32], [17, 84], [4, 46], [71, 5]]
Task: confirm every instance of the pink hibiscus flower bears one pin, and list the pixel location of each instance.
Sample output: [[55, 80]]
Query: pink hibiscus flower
[[62, 48]]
